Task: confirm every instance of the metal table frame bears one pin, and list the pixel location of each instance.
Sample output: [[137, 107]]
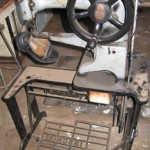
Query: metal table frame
[[137, 90]]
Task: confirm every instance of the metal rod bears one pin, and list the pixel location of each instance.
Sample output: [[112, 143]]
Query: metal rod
[[10, 49], [133, 38], [134, 120], [9, 27], [12, 38], [114, 110], [14, 20], [3, 80], [29, 98]]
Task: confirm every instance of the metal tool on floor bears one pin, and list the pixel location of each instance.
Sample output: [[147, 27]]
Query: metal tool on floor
[[108, 72]]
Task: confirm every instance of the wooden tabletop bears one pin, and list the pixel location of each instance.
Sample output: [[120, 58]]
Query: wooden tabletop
[[6, 8], [4, 4]]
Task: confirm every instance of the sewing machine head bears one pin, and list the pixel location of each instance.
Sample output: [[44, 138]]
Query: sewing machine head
[[112, 20], [108, 41]]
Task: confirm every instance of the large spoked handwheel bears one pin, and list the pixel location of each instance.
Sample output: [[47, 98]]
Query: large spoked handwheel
[[101, 12]]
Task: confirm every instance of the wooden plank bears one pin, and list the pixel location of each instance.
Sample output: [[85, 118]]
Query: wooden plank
[[6, 10]]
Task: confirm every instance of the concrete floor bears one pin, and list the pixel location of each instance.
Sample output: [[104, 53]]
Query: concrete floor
[[9, 138]]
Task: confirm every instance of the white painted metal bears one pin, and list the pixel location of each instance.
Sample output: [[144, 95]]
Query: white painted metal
[[68, 38], [24, 12], [107, 58], [39, 5], [111, 58], [45, 4]]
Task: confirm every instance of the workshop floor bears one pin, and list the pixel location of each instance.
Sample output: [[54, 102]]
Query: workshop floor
[[9, 139]]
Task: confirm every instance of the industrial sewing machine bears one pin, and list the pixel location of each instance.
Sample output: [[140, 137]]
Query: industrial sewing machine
[[112, 25], [108, 67]]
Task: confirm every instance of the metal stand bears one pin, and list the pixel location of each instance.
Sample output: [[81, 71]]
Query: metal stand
[[128, 114]]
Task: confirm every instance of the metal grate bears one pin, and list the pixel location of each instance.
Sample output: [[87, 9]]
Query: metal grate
[[81, 136]]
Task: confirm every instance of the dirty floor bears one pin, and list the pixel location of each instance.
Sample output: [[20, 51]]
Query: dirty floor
[[9, 139]]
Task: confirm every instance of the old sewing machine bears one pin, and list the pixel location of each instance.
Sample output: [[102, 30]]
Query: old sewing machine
[[109, 72]]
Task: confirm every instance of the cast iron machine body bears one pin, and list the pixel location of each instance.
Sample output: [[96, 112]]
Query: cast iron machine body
[[111, 68]]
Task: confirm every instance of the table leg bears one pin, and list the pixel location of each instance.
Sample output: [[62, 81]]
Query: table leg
[[134, 121], [16, 116]]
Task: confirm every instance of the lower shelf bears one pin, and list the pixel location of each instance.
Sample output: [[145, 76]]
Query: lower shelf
[[82, 136]]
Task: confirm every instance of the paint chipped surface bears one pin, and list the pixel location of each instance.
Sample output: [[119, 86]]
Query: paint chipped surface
[[39, 73], [140, 85]]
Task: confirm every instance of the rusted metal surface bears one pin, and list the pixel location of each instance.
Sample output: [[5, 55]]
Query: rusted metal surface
[[140, 85], [41, 74], [55, 91], [65, 78], [62, 137], [139, 78], [137, 87], [39, 46]]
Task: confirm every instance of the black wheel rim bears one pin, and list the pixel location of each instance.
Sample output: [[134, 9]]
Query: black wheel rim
[[85, 35]]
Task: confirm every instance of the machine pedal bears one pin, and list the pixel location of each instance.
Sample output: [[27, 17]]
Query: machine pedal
[[83, 135]]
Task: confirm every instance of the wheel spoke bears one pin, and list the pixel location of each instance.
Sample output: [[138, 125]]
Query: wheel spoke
[[97, 29], [92, 1], [111, 2], [116, 22], [81, 15]]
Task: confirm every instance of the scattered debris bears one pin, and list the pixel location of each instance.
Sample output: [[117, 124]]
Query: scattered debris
[[24, 116], [145, 146], [107, 111], [146, 112]]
